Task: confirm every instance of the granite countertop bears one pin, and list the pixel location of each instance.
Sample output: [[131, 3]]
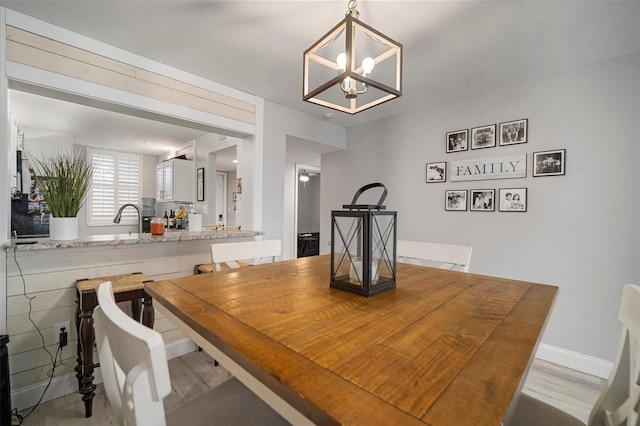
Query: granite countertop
[[120, 239]]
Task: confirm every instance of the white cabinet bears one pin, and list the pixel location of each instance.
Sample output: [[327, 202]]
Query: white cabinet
[[175, 181]]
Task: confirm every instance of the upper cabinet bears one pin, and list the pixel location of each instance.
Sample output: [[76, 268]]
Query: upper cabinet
[[175, 181]]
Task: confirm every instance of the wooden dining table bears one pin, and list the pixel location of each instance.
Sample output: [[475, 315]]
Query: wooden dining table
[[443, 348]]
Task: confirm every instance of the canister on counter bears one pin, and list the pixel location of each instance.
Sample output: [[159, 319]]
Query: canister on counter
[[157, 226]]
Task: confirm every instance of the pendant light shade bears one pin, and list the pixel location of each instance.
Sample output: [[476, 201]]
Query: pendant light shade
[[353, 67]]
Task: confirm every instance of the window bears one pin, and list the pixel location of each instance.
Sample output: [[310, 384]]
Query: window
[[117, 180]]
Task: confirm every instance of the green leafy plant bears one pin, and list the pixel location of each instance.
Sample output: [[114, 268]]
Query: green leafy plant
[[64, 179]]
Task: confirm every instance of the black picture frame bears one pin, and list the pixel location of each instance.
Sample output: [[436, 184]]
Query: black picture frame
[[508, 202], [455, 200], [457, 141], [482, 200], [549, 163], [437, 172], [200, 184], [513, 132], [483, 137]]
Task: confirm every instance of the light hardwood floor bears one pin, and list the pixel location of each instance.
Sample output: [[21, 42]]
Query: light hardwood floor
[[194, 373]]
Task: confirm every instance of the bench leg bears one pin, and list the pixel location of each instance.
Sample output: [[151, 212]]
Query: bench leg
[[148, 313], [87, 338]]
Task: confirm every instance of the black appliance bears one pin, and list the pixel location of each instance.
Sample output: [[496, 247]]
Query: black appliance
[[5, 389], [309, 244], [146, 224]]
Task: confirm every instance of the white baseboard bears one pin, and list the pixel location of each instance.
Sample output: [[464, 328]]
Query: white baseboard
[[575, 360], [64, 385]]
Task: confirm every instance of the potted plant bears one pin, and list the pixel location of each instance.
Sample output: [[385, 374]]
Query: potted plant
[[64, 179]]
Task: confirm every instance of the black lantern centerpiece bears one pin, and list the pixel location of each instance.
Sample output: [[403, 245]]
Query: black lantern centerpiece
[[363, 246]]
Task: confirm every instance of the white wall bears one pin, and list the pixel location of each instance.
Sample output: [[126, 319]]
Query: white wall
[[581, 231], [231, 188], [5, 160]]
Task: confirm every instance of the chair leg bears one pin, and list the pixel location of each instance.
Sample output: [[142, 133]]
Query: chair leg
[[136, 309], [148, 313]]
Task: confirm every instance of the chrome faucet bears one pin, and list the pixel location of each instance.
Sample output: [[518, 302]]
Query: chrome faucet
[[119, 215]]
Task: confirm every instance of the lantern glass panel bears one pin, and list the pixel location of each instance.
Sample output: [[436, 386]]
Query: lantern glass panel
[[348, 250], [382, 250]]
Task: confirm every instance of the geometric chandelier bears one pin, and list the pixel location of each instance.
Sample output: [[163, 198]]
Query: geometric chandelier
[[353, 67]]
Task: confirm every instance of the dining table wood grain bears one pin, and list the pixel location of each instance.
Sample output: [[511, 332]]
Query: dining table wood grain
[[443, 348]]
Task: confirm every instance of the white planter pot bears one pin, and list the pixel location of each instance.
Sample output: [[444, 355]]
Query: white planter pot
[[63, 228]]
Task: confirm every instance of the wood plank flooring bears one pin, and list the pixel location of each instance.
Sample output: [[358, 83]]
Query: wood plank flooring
[[569, 390]]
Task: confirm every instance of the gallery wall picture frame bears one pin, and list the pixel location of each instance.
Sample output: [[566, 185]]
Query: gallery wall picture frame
[[437, 172], [483, 137], [455, 200], [457, 141], [513, 132], [200, 184], [482, 200], [512, 200], [549, 163]]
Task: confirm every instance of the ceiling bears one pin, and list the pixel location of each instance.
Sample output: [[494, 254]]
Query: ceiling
[[452, 49]]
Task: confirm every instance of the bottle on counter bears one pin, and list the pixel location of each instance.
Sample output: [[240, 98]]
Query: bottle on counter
[[172, 218], [166, 220]]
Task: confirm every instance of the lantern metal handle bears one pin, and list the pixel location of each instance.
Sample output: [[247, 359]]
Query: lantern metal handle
[[378, 206]]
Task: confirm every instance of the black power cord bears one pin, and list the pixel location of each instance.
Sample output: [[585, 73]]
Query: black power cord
[[61, 343], [51, 372]]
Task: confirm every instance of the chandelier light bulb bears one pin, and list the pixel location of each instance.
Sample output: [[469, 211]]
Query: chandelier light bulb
[[367, 66], [341, 60]]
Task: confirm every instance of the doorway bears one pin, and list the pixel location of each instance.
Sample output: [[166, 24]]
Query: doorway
[[221, 198], [308, 210]]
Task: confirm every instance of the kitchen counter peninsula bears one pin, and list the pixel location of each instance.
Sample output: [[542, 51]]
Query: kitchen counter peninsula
[[120, 239], [41, 286]]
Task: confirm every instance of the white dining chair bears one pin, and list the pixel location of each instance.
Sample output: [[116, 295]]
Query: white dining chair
[[619, 403], [230, 255], [256, 252], [136, 378], [444, 256]]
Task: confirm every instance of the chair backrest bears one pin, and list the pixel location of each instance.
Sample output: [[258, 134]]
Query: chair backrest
[[258, 251], [619, 403], [133, 361], [450, 256]]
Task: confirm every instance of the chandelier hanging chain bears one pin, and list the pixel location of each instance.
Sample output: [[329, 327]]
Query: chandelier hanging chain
[[352, 9]]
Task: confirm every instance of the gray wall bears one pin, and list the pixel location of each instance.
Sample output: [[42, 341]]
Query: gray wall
[[581, 231], [279, 123]]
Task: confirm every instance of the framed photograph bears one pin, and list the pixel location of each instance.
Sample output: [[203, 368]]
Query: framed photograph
[[239, 185], [455, 200], [457, 141], [482, 200], [437, 172], [483, 137], [549, 163], [200, 184], [512, 199], [513, 132]]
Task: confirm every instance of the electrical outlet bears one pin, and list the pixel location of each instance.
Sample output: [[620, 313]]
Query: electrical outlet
[[58, 328]]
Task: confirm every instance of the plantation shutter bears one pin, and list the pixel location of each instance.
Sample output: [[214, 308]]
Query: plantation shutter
[[117, 180]]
